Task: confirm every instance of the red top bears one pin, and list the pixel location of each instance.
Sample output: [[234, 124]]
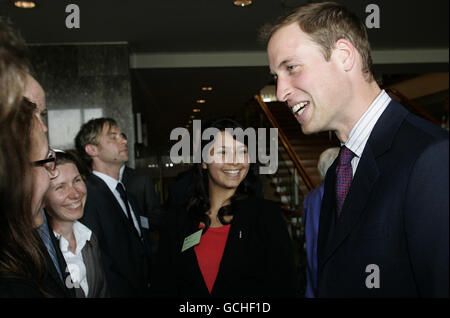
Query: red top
[[209, 252]]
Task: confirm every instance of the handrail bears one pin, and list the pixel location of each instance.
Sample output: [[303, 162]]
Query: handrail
[[286, 144], [415, 106]]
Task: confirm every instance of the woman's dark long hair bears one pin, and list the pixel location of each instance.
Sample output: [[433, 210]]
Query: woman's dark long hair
[[21, 249], [199, 204]]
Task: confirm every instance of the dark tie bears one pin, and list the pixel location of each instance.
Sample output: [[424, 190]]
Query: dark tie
[[123, 195], [344, 175]]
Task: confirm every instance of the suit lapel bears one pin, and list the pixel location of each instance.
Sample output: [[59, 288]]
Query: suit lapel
[[233, 247], [362, 184], [332, 231], [327, 216], [111, 198], [188, 257]]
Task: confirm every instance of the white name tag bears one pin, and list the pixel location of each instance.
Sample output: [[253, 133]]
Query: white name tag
[[144, 222]]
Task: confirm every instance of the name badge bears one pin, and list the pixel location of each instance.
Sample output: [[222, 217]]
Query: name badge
[[192, 240], [144, 222]]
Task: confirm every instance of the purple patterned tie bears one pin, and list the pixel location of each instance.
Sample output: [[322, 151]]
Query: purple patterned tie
[[344, 176]]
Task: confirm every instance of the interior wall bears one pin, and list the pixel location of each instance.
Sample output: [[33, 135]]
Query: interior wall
[[83, 82]]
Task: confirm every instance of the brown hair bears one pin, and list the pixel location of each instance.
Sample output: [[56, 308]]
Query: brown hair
[[326, 23], [88, 135], [13, 68], [21, 249]]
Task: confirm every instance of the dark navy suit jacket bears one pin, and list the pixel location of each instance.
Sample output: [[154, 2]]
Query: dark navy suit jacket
[[126, 257], [391, 239]]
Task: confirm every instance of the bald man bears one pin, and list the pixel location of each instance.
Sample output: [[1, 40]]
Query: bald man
[[35, 94], [57, 268]]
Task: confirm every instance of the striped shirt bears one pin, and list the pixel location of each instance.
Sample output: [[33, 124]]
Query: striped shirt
[[361, 131]]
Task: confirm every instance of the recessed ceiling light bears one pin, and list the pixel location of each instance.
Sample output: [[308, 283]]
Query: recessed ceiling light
[[201, 101], [25, 4], [196, 110], [242, 3], [206, 88]]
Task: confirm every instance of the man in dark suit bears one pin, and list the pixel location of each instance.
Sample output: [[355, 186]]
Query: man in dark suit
[[141, 186], [57, 275], [384, 227], [112, 213]]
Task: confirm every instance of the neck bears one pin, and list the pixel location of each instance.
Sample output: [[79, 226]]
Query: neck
[[65, 228], [111, 170], [357, 106], [218, 197]]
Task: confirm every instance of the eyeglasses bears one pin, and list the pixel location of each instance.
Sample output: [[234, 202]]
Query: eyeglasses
[[49, 164]]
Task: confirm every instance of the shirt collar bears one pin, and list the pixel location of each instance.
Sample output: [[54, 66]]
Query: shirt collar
[[110, 181], [122, 169], [82, 235], [361, 131]]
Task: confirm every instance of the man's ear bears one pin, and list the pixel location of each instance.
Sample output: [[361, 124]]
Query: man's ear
[[91, 150], [345, 53]]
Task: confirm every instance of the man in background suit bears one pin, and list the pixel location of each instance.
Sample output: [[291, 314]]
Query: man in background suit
[[141, 185], [112, 213], [384, 226], [57, 266]]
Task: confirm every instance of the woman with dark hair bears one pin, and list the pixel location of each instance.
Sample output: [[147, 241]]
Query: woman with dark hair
[[226, 242], [64, 204], [22, 187]]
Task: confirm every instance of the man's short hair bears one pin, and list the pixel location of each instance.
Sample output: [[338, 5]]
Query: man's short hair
[[326, 23], [88, 135]]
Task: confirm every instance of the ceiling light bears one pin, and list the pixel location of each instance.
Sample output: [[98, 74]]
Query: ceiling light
[[25, 4], [192, 116], [201, 101], [196, 110], [242, 3], [206, 88]]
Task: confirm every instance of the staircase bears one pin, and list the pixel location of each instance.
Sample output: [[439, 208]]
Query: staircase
[[307, 149]]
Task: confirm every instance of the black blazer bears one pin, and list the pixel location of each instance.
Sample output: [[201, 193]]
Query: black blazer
[[395, 215], [94, 271], [56, 287], [257, 260], [125, 257], [13, 287], [141, 186]]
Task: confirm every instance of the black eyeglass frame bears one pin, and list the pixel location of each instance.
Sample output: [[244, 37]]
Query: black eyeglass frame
[[51, 158]]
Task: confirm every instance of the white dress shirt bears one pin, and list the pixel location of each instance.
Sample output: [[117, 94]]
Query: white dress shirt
[[112, 184], [360, 133], [75, 262]]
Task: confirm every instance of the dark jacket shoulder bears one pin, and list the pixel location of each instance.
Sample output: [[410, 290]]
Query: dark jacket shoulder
[[13, 287]]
